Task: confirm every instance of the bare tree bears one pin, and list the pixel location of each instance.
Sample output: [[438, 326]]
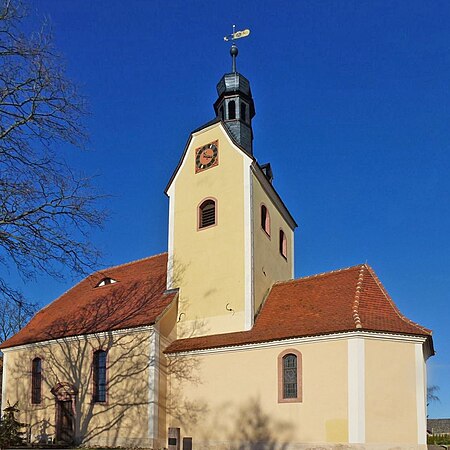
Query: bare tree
[[13, 316], [432, 396], [46, 210]]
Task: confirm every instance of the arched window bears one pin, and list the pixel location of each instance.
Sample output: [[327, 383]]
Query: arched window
[[36, 381], [207, 214], [265, 220], [289, 376], [99, 376], [283, 244], [232, 109], [243, 111]]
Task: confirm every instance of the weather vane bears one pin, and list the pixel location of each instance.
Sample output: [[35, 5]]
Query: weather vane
[[236, 34], [234, 50]]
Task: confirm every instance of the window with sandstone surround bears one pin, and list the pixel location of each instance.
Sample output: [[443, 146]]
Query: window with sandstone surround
[[265, 219], [99, 376], [36, 381], [283, 244], [290, 376]]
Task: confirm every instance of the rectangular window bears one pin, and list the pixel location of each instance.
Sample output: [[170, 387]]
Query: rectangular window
[[36, 381], [99, 372]]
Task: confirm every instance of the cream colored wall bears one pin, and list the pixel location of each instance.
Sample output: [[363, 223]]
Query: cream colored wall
[[391, 410], [232, 396], [208, 264], [123, 420], [268, 264], [167, 323]]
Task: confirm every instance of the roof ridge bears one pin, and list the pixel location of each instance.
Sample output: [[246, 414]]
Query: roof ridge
[[92, 274], [126, 264], [355, 309], [392, 303], [331, 272]]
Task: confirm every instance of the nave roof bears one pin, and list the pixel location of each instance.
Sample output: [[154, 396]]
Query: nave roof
[[137, 297]]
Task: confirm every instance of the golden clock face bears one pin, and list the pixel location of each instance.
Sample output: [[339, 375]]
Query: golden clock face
[[206, 156]]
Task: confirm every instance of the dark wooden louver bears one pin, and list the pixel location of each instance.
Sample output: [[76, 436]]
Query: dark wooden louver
[[207, 213]]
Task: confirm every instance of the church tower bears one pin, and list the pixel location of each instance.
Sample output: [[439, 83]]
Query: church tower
[[230, 235]]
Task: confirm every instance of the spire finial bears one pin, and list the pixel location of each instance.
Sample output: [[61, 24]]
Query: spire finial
[[234, 50]]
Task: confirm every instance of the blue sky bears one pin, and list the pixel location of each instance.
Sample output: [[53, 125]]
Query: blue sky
[[352, 110]]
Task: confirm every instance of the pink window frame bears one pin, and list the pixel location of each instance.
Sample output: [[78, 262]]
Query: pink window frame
[[266, 227], [31, 379], [299, 397], [93, 378], [283, 244]]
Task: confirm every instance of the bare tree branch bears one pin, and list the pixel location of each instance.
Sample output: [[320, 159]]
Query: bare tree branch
[[46, 209], [14, 314]]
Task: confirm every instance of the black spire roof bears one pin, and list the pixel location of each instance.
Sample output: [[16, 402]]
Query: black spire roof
[[235, 106]]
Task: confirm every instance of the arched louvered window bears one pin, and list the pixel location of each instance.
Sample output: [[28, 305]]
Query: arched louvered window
[[207, 214], [36, 381], [265, 219], [283, 244], [243, 111], [231, 109], [99, 376], [289, 376]]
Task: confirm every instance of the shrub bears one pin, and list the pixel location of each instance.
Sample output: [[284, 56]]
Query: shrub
[[10, 428], [439, 439]]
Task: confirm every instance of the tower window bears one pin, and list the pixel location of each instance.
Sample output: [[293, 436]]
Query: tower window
[[36, 381], [265, 220], [243, 111], [289, 376], [207, 214], [231, 109], [283, 244], [221, 112], [99, 375]]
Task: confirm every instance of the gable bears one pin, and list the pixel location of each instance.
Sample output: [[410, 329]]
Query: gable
[[219, 130]]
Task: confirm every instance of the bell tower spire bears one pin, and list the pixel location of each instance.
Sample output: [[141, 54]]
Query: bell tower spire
[[235, 106]]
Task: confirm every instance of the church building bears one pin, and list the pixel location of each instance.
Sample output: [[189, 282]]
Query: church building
[[215, 344]]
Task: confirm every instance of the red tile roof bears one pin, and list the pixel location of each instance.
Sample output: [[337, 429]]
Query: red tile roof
[[137, 298], [345, 300]]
